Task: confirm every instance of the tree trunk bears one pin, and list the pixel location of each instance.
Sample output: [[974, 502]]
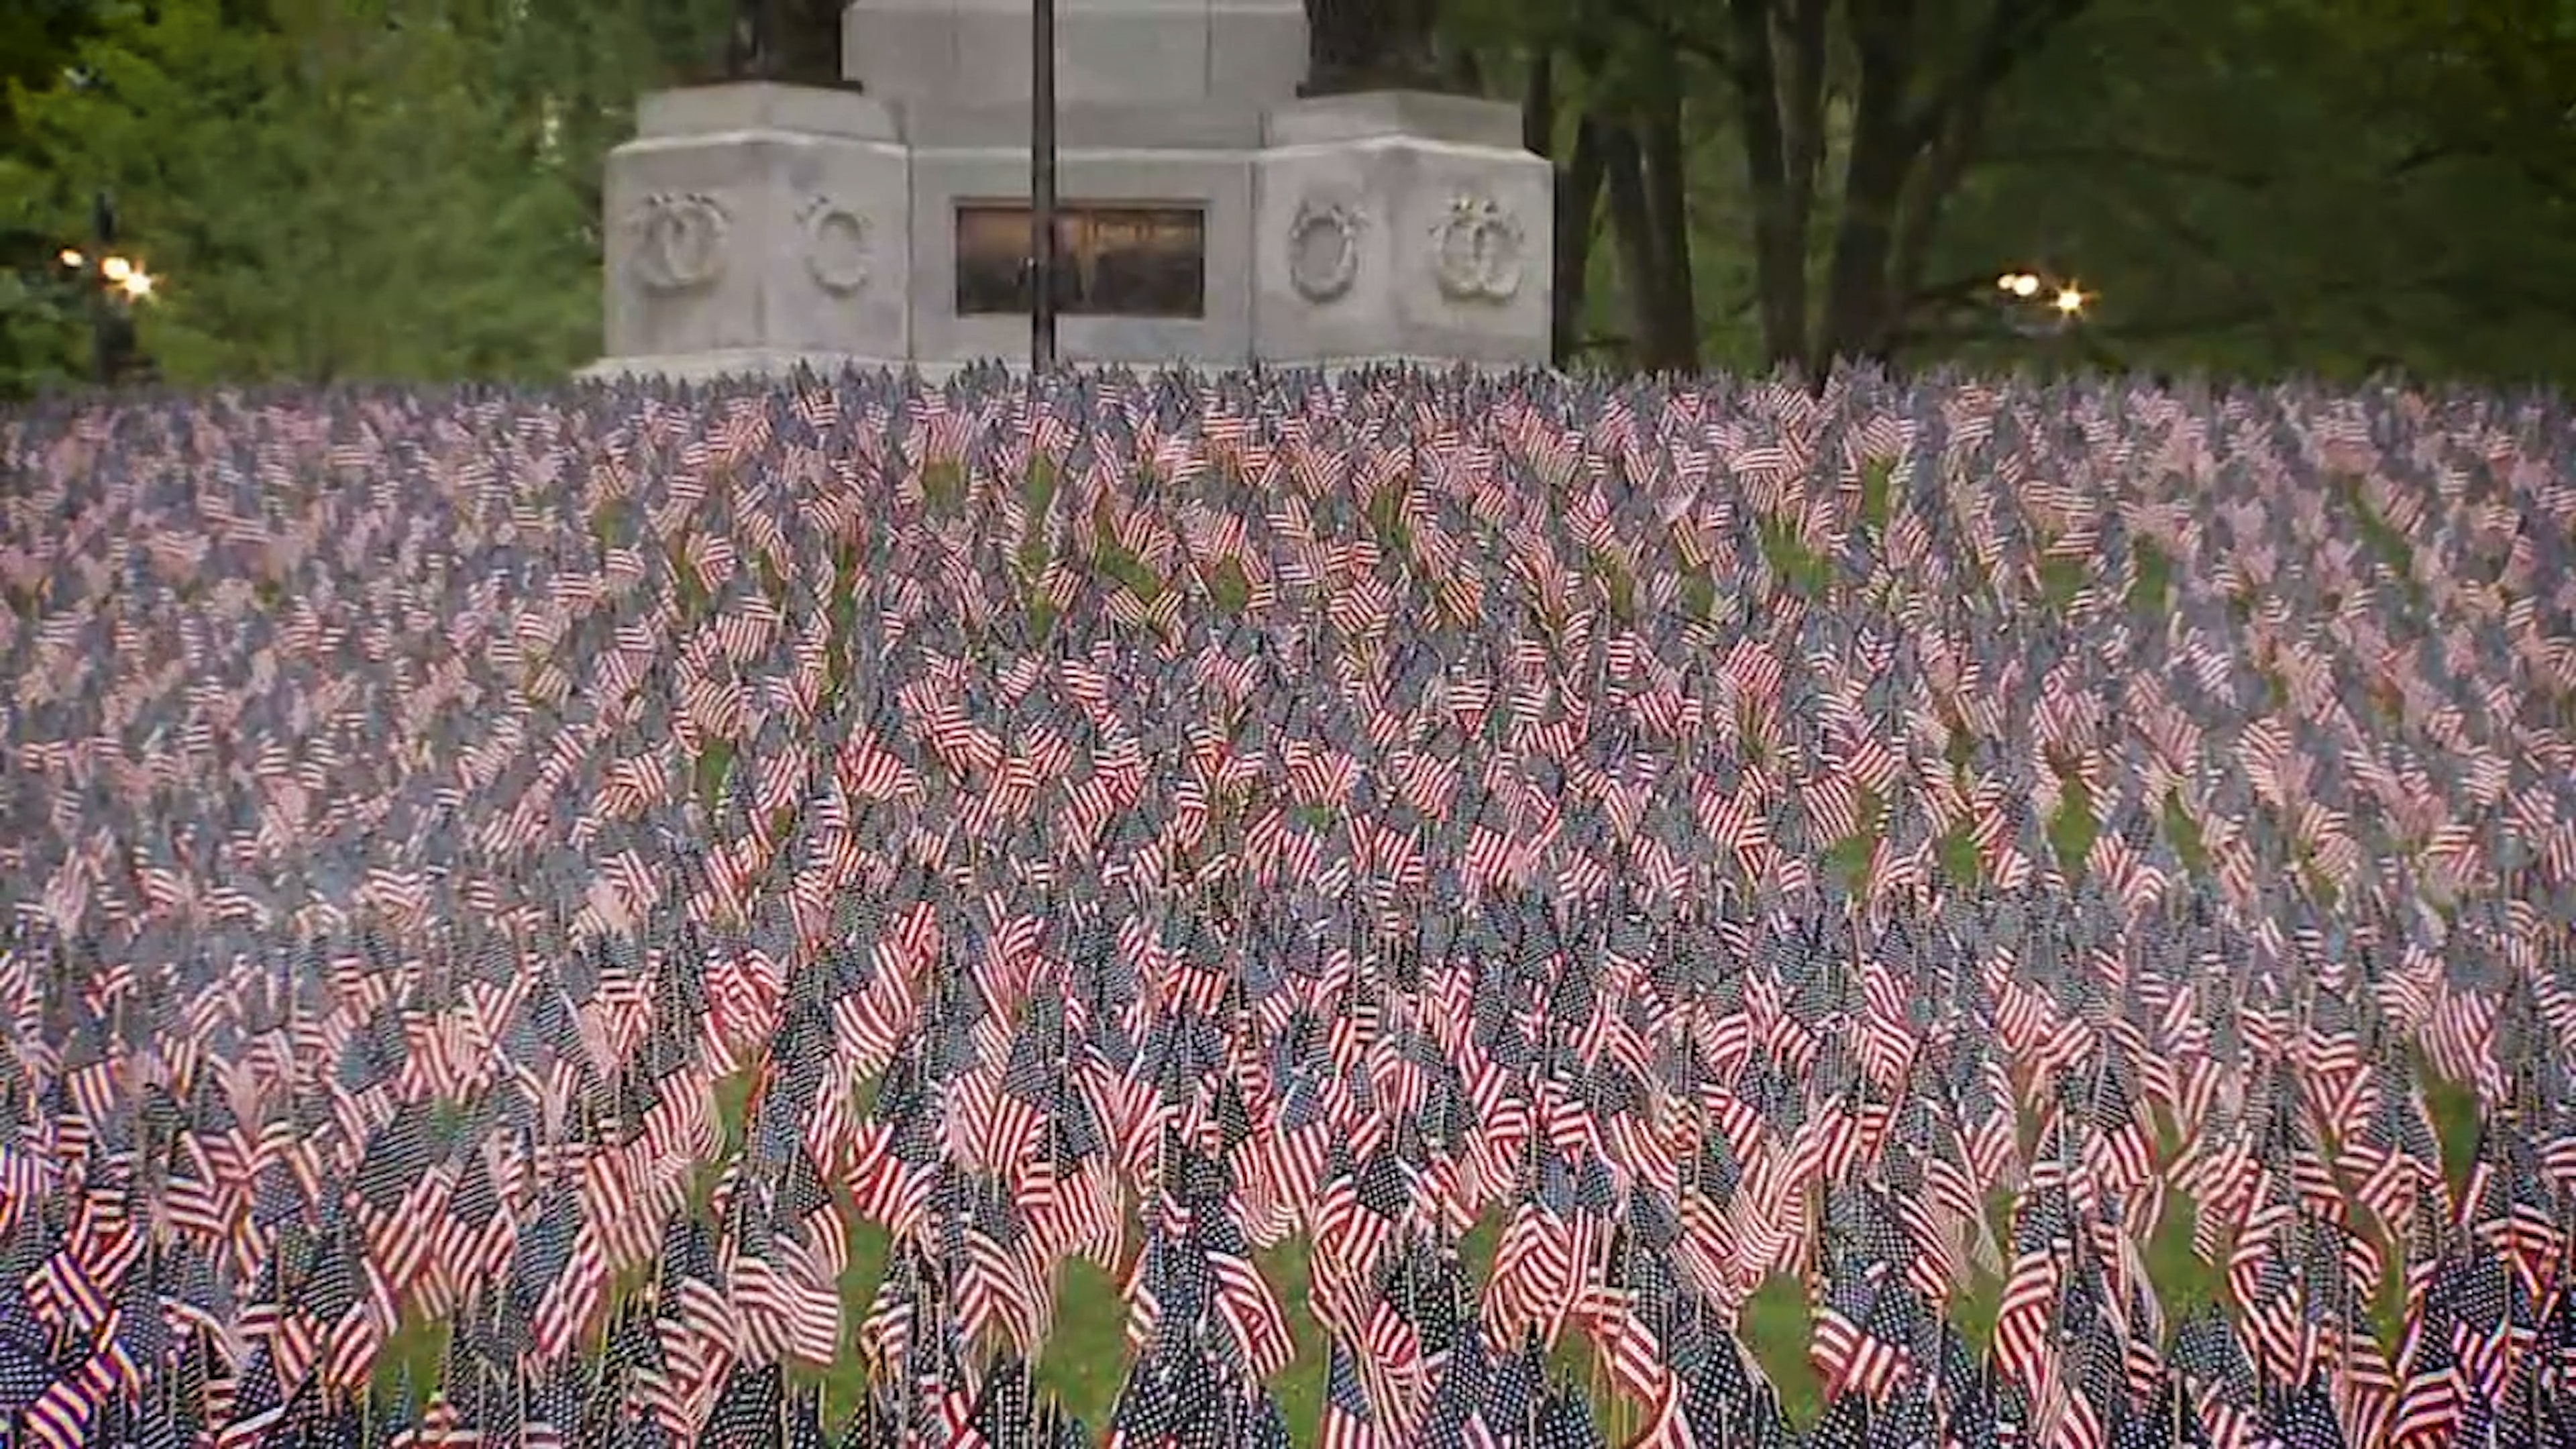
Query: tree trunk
[[1578, 199], [1917, 221], [1882, 160], [1780, 116], [1677, 300], [1538, 104], [1632, 222]]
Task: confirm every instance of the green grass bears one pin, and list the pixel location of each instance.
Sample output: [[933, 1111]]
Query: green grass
[[1778, 1327], [2151, 586], [685, 584], [416, 1347], [1229, 588], [1959, 864], [1386, 518], [845, 1383], [943, 485], [1085, 1358], [2072, 828], [1699, 595], [1973, 1311], [714, 764], [1849, 856], [2184, 835], [1797, 566], [2383, 540], [1618, 586], [1876, 489], [2060, 580], [1119, 566], [2454, 1110], [2182, 1282], [2387, 1308]]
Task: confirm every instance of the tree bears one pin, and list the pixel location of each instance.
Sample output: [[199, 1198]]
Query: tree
[[2261, 188], [1853, 124], [342, 189]]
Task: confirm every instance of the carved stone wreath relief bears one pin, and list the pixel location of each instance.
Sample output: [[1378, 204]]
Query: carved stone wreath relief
[[679, 240], [1323, 249], [836, 245], [1477, 250]]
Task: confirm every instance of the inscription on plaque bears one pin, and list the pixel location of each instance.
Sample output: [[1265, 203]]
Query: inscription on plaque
[[1121, 260]]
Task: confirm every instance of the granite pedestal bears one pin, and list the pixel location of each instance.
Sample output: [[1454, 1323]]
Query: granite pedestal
[[754, 227]]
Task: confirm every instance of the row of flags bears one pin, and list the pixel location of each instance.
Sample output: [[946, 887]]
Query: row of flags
[[1938, 846]]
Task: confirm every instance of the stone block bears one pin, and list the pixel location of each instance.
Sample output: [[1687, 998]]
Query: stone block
[[1108, 52], [1378, 236], [1256, 50], [1085, 125], [763, 106], [752, 236]]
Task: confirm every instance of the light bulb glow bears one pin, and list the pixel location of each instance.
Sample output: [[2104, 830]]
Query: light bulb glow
[[71, 257], [2025, 285], [137, 284], [115, 269], [2071, 300]]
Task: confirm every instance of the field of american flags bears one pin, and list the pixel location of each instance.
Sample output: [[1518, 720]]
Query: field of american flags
[[1223, 912]]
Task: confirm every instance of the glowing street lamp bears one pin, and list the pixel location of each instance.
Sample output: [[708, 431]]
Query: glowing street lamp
[[136, 283], [2071, 300]]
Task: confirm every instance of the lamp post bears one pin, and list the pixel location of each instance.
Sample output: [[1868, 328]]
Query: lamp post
[[1042, 258], [102, 221], [114, 283]]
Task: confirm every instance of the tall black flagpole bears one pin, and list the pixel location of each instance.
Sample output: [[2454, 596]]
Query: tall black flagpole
[[1042, 258]]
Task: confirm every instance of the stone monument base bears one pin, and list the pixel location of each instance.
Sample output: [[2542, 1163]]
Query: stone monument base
[[735, 362], [752, 222], [1402, 224], [753, 228]]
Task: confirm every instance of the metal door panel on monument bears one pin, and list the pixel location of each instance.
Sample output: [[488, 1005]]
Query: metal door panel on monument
[[1124, 260]]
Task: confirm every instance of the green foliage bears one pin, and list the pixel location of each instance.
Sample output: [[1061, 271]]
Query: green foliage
[[1118, 564], [2276, 187], [1849, 856], [340, 189], [413, 1355]]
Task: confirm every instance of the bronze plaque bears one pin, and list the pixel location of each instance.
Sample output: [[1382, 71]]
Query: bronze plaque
[[1122, 260]]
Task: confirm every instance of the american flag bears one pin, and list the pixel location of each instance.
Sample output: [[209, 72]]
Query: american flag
[[585, 871]]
